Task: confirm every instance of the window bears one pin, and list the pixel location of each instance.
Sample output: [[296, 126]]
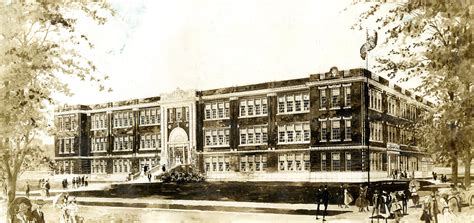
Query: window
[[121, 165], [125, 119], [335, 130], [348, 161], [347, 96], [323, 98], [392, 133], [290, 103], [150, 141], [253, 135], [214, 111], [375, 99], [323, 162], [123, 143], [293, 162], [294, 133], [98, 144], [217, 137], [348, 130], [336, 161], [248, 107], [375, 132], [306, 102], [99, 121], [392, 106], [243, 108], [324, 130], [250, 163], [335, 92], [98, 166]]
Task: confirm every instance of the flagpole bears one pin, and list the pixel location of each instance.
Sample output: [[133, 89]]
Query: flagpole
[[367, 125]]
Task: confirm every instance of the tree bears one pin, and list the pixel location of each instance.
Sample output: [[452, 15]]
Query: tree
[[431, 41], [40, 45]]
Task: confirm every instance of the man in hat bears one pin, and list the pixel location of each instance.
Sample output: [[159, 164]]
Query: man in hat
[[319, 199], [37, 215], [325, 199]]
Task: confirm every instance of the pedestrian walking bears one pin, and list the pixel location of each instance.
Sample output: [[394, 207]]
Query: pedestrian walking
[[325, 199], [434, 206], [396, 207], [340, 196], [149, 176], [74, 182], [404, 197], [82, 181], [361, 201], [384, 203], [319, 199], [347, 198], [376, 201], [426, 211], [27, 190], [47, 186]]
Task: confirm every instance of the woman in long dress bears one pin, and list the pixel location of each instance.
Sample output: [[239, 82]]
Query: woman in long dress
[[347, 198], [361, 201]]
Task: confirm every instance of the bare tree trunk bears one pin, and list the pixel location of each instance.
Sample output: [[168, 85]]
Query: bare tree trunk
[[467, 171], [454, 163], [11, 194]]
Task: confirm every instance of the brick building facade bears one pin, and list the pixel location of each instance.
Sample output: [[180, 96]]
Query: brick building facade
[[308, 129]]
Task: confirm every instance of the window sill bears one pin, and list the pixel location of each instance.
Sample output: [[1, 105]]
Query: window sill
[[371, 140], [98, 151], [322, 109], [216, 146], [293, 113], [347, 107], [347, 140], [254, 144], [253, 116], [292, 143], [377, 110], [335, 108], [127, 150], [216, 119], [143, 125], [99, 129], [148, 149], [122, 127], [334, 140]]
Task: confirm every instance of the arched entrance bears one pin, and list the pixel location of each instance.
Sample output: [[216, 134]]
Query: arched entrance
[[178, 148]]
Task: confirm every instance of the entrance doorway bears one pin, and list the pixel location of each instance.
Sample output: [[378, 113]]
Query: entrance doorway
[[178, 148]]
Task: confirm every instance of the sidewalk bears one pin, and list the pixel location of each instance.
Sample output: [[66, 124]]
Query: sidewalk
[[206, 205]]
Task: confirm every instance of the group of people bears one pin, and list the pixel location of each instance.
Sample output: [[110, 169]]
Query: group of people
[[442, 178], [68, 208], [25, 213], [44, 186], [398, 174], [439, 204], [76, 182]]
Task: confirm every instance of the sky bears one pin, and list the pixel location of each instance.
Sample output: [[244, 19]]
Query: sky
[[153, 47]]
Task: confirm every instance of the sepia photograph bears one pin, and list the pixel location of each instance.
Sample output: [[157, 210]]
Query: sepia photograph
[[220, 111]]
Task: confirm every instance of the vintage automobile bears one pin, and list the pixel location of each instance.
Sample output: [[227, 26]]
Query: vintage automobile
[[457, 196]]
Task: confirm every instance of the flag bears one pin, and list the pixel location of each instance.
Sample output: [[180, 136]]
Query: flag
[[368, 46]]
